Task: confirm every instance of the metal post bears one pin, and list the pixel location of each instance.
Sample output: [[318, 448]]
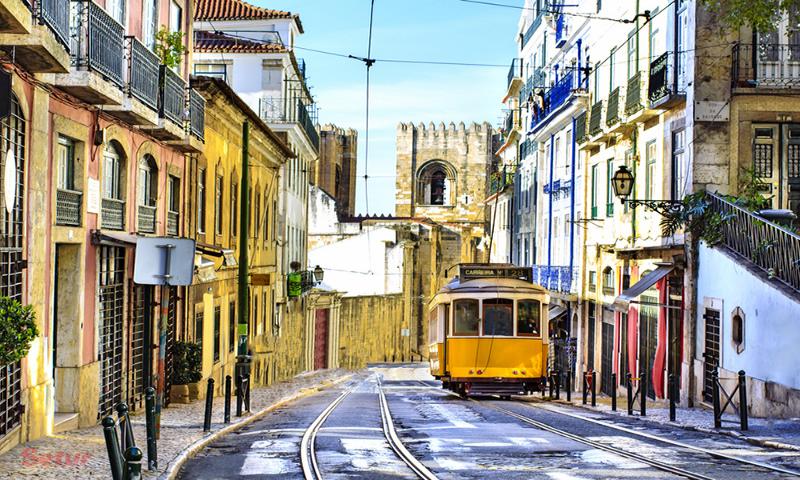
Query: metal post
[[247, 395], [150, 421], [112, 446], [569, 386], [672, 397], [594, 388], [133, 463], [550, 384], [209, 405], [643, 394], [558, 385], [629, 380], [161, 367], [742, 400], [584, 387], [715, 398], [239, 396], [243, 285], [227, 415], [125, 425], [613, 392]]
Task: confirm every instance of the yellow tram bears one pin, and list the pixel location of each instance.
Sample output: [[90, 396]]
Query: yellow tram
[[486, 331]]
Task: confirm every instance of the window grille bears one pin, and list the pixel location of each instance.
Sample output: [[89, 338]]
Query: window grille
[[112, 309]]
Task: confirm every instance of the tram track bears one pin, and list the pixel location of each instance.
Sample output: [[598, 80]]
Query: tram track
[[308, 453]]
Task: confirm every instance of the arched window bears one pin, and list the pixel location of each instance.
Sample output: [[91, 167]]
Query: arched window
[[438, 187], [608, 281], [147, 186], [113, 187], [435, 184]]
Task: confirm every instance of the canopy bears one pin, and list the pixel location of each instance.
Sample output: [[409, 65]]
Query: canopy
[[556, 311], [623, 302], [115, 239]]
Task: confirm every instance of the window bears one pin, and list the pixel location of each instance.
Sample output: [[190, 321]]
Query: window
[[232, 326], [111, 173], [529, 321], [594, 191], [175, 17], [263, 328], [257, 214], [682, 34], [679, 165], [217, 336], [737, 329], [609, 188], [218, 205], [592, 281], [149, 23], [147, 184], [650, 170], [434, 184], [466, 319], [654, 47], [66, 163], [611, 84], [632, 57], [254, 315], [215, 70], [608, 281], [266, 219], [498, 317], [201, 200], [234, 207], [174, 186], [116, 8], [198, 329]]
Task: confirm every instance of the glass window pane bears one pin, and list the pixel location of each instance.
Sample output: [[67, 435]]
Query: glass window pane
[[529, 318], [466, 317], [498, 317]]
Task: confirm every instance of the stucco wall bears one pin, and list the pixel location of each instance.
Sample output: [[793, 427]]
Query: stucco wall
[[371, 331]]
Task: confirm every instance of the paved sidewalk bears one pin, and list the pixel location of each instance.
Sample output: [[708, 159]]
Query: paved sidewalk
[[765, 432], [82, 453]]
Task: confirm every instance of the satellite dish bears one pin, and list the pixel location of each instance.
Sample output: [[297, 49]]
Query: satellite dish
[[10, 181]]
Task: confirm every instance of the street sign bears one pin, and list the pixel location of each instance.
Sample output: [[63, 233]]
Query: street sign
[[259, 279], [164, 261]]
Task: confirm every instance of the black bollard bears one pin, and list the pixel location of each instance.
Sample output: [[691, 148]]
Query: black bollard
[[558, 385], [569, 386], [227, 416], [150, 422], [715, 398], [247, 395], [133, 463], [672, 391], [613, 392], [112, 446], [209, 405], [742, 400], [125, 426], [550, 384], [584, 387], [594, 388], [239, 396], [629, 385], [643, 395]]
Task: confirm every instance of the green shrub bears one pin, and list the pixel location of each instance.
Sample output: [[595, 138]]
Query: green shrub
[[17, 330], [188, 358]]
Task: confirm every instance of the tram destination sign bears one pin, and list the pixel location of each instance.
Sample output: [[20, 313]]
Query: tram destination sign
[[473, 271]]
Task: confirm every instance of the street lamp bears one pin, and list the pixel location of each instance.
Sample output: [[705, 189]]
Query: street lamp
[[622, 182], [319, 274]]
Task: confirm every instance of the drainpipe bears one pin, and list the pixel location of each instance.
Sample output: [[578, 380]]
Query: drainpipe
[[572, 213], [580, 82], [550, 208]]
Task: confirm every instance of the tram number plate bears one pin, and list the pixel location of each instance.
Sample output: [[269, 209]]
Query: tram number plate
[[474, 272]]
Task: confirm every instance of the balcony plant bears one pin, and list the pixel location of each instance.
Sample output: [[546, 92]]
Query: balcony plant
[[169, 47], [17, 330], [188, 363]]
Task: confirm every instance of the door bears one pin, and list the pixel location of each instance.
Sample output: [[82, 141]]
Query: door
[[321, 338], [139, 329], [711, 353], [648, 338], [778, 53], [606, 365], [111, 299], [169, 358], [590, 338], [792, 168]]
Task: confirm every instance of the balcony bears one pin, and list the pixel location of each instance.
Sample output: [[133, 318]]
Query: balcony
[[612, 108], [596, 133], [515, 83], [284, 111], [558, 189], [500, 180], [581, 128], [68, 207], [172, 223], [637, 109], [561, 279], [663, 91], [768, 66], [140, 104], [171, 107], [113, 214], [526, 148], [551, 101], [146, 219], [38, 32], [194, 124]]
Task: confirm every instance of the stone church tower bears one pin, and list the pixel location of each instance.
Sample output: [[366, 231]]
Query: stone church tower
[[443, 175]]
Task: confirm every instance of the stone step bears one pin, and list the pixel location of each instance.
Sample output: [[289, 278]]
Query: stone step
[[65, 421]]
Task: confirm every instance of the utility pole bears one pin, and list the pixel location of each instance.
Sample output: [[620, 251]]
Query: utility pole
[[242, 357]]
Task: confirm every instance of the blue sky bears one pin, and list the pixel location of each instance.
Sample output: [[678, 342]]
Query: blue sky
[[440, 30]]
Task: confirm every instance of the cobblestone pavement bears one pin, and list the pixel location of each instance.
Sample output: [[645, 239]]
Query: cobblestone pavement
[[82, 453]]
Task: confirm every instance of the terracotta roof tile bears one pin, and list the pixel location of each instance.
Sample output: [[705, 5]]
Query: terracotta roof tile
[[238, 10], [211, 42]]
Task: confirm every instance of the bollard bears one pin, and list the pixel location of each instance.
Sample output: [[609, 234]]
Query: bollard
[[550, 384], [239, 396], [150, 422], [247, 394], [133, 463], [742, 400], [672, 390], [594, 388], [613, 392], [584, 387], [227, 416], [209, 405], [569, 386], [643, 394], [629, 382], [125, 426], [558, 385], [715, 398], [112, 446]]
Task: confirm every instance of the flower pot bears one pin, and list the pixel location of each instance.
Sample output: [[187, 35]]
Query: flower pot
[[179, 394]]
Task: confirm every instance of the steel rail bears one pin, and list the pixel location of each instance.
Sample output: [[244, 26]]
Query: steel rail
[[308, 454], [601, 446], [674, 443], [397, 445]]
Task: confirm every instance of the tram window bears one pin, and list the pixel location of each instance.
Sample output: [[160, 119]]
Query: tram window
[[466, 317], [498, 317], [528, 318], [433, 324]]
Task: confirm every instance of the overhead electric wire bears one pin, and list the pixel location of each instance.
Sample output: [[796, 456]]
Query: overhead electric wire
[[591, 16]]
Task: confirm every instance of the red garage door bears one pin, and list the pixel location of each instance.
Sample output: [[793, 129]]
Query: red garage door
[[321, 339]]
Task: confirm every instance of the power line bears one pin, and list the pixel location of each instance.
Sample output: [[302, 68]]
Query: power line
[[590, 16]]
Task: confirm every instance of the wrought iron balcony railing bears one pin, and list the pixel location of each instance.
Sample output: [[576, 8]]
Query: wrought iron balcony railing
[[143, 72], [501, 179], [612, 108], [113, 214], [146, 219], [556, 278], [305, 121], [766, 65], [97, 41], [172, 223], [172, 102], [554, 98], [55, 14], [771, 247], [68, 207], [197, 114], [280, 110], [633, 94]]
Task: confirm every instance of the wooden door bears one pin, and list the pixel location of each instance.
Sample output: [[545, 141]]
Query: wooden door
[[321, 338]]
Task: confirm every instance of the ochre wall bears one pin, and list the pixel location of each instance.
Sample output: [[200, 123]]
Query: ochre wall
[[371, 331]]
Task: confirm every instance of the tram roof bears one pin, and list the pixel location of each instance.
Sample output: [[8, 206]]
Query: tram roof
[[485, 285]]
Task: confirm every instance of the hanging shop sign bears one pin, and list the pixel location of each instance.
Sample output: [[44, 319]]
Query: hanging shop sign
[[294, 284]]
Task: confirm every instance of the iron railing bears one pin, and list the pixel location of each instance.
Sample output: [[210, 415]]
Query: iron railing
[[771, 247], [562, 279], [526, 148], [280, 110], [172, 222], [305, 121], [612, 108], [113, 214], [172, 102], [55, 14], [515, 71], [146, 219], [596, 118], [633, 94], [98, 41], [197, 114], [770, 65], [581, 131], [68, 207], [501, 179], [143, 72], [554, 98], [662, 83]]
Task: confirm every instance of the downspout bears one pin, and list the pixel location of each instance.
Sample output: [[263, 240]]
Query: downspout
[[580, 82], [634, 136], [572, 214], [550, 209]]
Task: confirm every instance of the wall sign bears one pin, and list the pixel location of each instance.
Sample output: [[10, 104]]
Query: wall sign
[[712, 111]]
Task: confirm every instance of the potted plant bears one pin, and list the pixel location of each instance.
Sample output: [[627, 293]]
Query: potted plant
[[17, 330], [188, 361]]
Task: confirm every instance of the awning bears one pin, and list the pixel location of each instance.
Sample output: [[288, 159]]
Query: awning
[[555, 312], [114, 239], [207, 249], [623, 302]]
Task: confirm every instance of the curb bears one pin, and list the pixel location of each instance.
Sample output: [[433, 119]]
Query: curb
[[693, 428], [176, 463]]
